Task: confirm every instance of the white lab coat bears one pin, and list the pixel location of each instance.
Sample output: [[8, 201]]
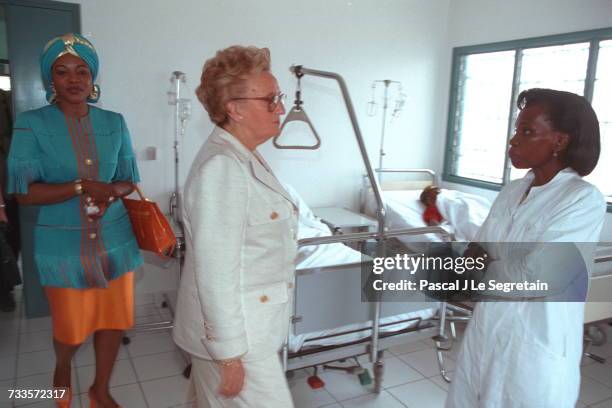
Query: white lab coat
[[236, 290], [527, 354]]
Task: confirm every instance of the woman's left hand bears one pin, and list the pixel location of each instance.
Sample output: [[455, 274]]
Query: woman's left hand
[[232, 378]]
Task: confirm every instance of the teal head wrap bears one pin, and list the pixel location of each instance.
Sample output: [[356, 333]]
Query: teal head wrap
[[69, 44]]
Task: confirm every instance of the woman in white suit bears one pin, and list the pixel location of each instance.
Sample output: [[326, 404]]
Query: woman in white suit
[[236, 291]]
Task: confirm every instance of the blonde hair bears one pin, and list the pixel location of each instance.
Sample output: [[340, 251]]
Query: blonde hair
[[223, 77]]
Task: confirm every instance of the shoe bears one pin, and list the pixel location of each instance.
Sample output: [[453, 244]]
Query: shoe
[[66, 401], [7, 302], [92, 402]]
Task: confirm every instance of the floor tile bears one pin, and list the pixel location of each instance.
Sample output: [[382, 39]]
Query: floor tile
[[603, 404], [7, 367], [440, 382], [306, 397], [10, 328], [42, 382], [4, 393], [599, 372], [166, 392], [604, 350], [420, 394], [426, 363], [35, 325], [86, 355], [592, 391], [37, 362], [36, 341], [123, 374], [76, 403], [159, 365], [397, 372], [382, 400], [409, 347], [8, 346], [129, 396], [150, 343]]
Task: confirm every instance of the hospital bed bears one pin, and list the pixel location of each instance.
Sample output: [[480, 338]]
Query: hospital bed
[[331, 322]]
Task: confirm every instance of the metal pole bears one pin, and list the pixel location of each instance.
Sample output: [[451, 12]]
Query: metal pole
[[380, 213], [387, 82]]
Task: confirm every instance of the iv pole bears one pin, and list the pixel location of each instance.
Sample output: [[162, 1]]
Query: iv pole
[[386, 83], [182, 112]]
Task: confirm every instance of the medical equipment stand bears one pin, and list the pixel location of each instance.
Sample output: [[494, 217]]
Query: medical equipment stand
[[182, 113], [399, 103]]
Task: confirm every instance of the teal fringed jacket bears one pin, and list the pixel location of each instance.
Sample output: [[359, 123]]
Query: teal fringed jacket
[[70, 250]]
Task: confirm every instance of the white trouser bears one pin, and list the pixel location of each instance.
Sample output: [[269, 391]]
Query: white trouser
[[265, 385]]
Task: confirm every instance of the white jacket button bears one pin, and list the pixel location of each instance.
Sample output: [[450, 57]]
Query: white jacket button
[[273, 215], [263, 298]]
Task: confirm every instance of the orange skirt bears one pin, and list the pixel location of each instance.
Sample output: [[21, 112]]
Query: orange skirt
[[77, 313]]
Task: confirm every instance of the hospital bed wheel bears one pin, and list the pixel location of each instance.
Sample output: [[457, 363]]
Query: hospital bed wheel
[[187, 371], [125, 340], [597, 335]]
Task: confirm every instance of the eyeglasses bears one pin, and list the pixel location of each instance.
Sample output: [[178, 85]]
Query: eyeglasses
[[273, 100]]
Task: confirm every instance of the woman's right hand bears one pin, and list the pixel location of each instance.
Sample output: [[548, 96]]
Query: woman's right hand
[[97, 190], [232, 378]]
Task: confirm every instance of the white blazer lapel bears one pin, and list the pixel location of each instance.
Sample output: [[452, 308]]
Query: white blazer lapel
[[266, 177]]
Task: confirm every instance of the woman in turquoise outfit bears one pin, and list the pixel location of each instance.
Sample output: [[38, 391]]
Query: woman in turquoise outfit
[[68, 165]]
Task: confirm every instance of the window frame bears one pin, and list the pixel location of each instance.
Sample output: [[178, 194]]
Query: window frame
[[591, 36]]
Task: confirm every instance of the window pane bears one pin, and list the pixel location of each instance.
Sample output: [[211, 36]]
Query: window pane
[[481, 123], [602, 103], [561, 67]]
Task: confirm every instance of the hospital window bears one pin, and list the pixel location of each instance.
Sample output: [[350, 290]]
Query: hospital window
[[486, 80]]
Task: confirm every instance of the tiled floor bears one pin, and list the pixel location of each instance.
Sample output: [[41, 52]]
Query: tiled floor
[[148, 372]]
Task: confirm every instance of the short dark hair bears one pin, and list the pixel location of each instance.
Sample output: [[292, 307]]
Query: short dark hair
[[573, 115]]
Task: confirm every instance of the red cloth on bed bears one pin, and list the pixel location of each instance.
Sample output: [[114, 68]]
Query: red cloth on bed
[[432, 214]]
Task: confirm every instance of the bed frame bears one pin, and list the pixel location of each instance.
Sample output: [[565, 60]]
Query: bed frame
[[375, 344]]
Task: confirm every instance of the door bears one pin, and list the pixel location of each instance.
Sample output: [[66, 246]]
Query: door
[[30, 24]]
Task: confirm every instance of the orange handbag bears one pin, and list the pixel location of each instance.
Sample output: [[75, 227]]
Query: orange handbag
[[151, 227]]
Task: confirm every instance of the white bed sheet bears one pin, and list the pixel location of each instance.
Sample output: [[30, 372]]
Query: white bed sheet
[[310, 226], [296, 342], [463, 213]]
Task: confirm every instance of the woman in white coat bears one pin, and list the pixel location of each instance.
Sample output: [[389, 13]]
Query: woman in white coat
[[235, 296], [527, 354]]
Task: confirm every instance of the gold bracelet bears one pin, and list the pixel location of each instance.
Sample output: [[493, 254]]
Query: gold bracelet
[[78, 187], [227, 363]]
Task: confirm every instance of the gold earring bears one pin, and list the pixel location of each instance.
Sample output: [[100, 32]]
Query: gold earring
[[53, 95], [94, 95]]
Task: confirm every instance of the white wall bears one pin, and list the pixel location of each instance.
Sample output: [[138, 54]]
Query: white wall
[[141, 42], [483, 21]]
